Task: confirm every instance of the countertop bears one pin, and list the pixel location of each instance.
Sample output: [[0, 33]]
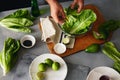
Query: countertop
[[110, 10]]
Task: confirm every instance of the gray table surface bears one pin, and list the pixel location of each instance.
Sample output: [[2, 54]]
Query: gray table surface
[[110, 10]]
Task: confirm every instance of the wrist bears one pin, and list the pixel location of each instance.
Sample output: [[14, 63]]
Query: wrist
[[51, 2]]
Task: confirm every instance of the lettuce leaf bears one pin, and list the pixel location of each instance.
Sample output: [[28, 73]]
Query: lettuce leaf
[[17, 24], [21, 13], [8, 55], [18, 21], [78, 23]]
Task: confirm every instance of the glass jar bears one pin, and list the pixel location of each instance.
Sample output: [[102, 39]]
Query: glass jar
[[35, 8]]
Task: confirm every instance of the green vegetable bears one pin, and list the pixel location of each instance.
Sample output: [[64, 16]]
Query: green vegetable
[[111, 51], [21, 13], [93, 48], [19, 21], [101, 35], [22, 22], [17, 24], [49, 62], [42, 67], [55, 66], [78, 23], [8, 55], [116, 66], [109, 44], [106, 28]]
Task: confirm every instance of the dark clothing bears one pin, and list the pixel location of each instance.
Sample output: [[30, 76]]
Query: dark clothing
[[14, 4]]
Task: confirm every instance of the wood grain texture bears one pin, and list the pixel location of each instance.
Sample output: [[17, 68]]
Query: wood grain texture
[[82, 42]]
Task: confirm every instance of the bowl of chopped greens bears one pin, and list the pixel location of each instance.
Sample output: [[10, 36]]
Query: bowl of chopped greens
[[77, 24]]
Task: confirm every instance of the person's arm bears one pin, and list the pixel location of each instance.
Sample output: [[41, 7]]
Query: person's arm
[[57, 11], [80, 4]]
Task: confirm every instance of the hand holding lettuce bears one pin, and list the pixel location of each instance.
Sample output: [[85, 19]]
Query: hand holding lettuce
[[78, 23], [8, 55], [19, 21]]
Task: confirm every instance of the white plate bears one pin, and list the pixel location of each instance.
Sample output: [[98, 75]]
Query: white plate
[[97, 72], [49, 74]]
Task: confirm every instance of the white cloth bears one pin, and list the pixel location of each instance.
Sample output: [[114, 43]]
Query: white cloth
[[51, 32]]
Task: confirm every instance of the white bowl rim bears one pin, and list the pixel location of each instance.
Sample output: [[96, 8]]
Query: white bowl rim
[[28, 37], [62, 45]]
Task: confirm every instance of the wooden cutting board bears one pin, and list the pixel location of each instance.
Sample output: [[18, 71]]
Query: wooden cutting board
[[82, 42]]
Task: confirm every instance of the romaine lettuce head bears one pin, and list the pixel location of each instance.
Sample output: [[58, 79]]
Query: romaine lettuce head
[[9, 55], [78, 23]]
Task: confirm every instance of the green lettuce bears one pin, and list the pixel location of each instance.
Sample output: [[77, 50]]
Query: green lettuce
[[9, 55], [17, 24], [78, 23], [18, 21], [21, 13]]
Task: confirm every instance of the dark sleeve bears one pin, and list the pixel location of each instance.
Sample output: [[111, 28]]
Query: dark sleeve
[[13, 4], [16, 4]]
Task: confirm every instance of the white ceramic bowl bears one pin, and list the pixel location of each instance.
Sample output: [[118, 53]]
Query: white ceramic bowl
[[29, 38], [59, 48], [97, 72]]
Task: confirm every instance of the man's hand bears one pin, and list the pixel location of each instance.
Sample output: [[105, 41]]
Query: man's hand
[[80, 4], [57, 11]]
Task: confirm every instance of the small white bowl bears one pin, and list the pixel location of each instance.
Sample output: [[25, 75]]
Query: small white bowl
[[59, 48], [29, 38]]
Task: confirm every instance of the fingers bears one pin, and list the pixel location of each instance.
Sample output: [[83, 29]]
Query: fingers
[[73, 4], [55, 18], [80, 4], [80, 7], [59, 17], [63, 14]]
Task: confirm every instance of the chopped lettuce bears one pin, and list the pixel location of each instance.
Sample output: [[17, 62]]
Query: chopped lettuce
[[78, 23], [8, 55]]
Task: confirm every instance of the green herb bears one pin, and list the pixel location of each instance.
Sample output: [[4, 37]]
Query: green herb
[[8, 55], [19, 21], [106, 28], [78, 23]]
